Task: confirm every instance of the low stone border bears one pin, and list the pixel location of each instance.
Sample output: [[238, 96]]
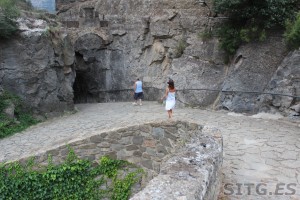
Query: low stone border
[[193, 172], [184, 157]]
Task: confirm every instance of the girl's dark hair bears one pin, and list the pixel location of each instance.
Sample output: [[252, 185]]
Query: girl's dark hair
[[171, 85]]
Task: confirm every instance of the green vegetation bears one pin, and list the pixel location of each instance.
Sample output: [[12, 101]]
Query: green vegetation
[[250, 20], [180, 48], [22, 119], [205, 35], [292, 33], [72, 180], [8, 14]]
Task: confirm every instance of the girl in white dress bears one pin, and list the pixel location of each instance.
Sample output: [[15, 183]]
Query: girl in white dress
[[170, 98]]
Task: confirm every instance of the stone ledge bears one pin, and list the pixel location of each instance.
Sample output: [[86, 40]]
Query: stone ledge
[[191, 173]]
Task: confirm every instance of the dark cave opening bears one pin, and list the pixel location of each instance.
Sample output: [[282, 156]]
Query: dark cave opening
[[80, 88], [85, 86]]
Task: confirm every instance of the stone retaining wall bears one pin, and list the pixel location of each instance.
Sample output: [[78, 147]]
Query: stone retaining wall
[[193, 172], [178, 154]]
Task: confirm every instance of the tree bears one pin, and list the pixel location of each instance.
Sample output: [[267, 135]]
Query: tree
[[248, 20], [292, 33], [8, 14]]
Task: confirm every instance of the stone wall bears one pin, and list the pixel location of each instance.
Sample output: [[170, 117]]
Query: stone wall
[[181, 152]]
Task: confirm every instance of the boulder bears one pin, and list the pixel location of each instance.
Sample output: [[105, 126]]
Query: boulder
[[9, 111]]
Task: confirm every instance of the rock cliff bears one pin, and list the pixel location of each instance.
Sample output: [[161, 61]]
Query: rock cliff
[[38, 67], [109, 43]]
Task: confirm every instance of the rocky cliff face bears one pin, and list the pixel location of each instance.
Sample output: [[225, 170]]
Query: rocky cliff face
[[110, 43], [156, 40], [119, 41], [285, 80], [37, 68], [251, 70]]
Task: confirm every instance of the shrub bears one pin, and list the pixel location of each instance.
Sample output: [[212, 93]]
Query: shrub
[[230, 38], [292, 33], [8, 13], [249, 20], [73, 179]]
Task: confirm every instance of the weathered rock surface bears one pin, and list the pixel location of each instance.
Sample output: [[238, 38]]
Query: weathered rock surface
[[251, 71], [110, 43], [152, 40], [156, 40], [38, 69], [285, 80]]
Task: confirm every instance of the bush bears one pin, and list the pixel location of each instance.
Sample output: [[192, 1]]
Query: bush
[[292, 33], [249, 20], [8, 14], [73, 179]]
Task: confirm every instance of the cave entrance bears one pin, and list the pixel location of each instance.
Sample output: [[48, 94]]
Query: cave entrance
[[85, 86], [80, 88]]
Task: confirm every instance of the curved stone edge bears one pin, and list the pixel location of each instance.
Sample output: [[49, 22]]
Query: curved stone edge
[[192, 173], [183, 153]]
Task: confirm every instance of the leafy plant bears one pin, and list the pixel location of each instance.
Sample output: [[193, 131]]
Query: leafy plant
[[8, 14], [73, 179], [292, 33], [249, 20]]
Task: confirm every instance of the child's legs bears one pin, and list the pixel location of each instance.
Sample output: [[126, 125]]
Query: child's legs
[[169, 113]]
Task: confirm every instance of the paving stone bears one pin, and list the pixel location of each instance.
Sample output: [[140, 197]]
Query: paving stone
[[291, 164], [269, 154], [265, 139], [273, 163], [288, 155], [288, 172]]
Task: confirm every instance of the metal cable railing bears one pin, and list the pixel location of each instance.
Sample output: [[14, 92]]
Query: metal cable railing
[[212, 90]]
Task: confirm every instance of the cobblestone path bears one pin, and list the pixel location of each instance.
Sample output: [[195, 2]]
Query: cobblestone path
[[263, 154]]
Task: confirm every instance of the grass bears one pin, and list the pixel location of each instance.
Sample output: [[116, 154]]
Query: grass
[[179, 50], [205, 35], [22, 120]]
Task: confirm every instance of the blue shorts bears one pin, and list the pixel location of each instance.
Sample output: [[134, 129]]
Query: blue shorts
[[138, 95]]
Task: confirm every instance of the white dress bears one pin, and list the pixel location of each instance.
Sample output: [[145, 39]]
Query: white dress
[[170, 101]]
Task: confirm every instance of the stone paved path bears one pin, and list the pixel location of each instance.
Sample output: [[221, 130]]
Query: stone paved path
[[256, 151]]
